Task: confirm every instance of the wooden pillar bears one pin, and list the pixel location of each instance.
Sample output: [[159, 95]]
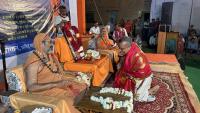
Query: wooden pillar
[[81, 16]]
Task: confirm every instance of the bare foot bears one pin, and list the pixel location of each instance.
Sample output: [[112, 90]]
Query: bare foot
[[154, 90]]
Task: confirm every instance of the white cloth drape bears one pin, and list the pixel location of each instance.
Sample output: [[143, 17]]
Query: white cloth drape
[[73, 12]]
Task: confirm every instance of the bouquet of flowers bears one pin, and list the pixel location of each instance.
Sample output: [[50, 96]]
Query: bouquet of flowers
[[42, 110], [82, 77], [95, 54]]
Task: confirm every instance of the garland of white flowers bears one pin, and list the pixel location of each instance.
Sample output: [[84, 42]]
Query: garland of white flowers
[[109, 103], [42, 110], [83, 77]]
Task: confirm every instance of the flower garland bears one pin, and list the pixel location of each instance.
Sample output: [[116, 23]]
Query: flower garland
[[42, 110], [109, 103], [84, 77]]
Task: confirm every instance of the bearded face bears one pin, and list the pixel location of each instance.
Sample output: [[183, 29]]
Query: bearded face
[[48, 46]]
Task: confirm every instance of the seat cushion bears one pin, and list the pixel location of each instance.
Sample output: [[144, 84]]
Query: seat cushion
[[16, 79]]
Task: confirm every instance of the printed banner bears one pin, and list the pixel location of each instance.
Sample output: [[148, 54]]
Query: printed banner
[[20, 20]]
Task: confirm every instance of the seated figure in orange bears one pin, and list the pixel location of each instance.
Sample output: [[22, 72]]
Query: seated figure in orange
[[44, 75], [107, 46]]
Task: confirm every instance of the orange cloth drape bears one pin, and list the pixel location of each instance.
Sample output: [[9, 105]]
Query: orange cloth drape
[[99, 68], [62, 50], [21, 100], [53, 4], [161, 58]]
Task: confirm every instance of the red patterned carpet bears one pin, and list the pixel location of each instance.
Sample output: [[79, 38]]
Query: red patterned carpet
[[171, 97]]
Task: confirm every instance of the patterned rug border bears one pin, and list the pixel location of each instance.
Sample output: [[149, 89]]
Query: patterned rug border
[[181, 83], [171, 100]]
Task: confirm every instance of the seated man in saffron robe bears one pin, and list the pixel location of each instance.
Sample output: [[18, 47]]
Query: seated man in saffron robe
[[106, 45], [45, 76], [135, 74]]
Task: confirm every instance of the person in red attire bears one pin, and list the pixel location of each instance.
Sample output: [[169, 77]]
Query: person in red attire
[[119, 33], [135, 73], [180, 45], [128, 26], [73, 35]]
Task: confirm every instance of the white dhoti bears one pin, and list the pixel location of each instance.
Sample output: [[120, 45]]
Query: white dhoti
[[142, 88]]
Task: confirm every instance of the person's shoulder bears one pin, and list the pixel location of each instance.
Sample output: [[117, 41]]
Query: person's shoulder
[[135, 45], [32, 56], [31, 60]]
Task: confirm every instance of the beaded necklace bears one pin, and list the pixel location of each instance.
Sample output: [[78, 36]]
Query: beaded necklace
[[45, 61]]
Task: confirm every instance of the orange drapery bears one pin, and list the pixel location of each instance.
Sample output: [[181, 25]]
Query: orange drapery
[[53, 4], [99, 68]]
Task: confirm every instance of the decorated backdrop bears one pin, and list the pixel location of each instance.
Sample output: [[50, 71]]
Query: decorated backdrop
[[20, 20]]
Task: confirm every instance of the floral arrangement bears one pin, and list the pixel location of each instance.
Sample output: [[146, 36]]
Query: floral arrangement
[[109, 103], [95, 54], [84, 77], [42, 110]]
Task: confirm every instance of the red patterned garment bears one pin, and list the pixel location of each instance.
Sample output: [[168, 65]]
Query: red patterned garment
[[128, 26], [135, 66], [72, 33], [180, 45], [118, 34]]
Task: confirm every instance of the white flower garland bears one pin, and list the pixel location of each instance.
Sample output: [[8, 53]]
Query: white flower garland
[[83, 77], [42, 110], [109, 103]]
